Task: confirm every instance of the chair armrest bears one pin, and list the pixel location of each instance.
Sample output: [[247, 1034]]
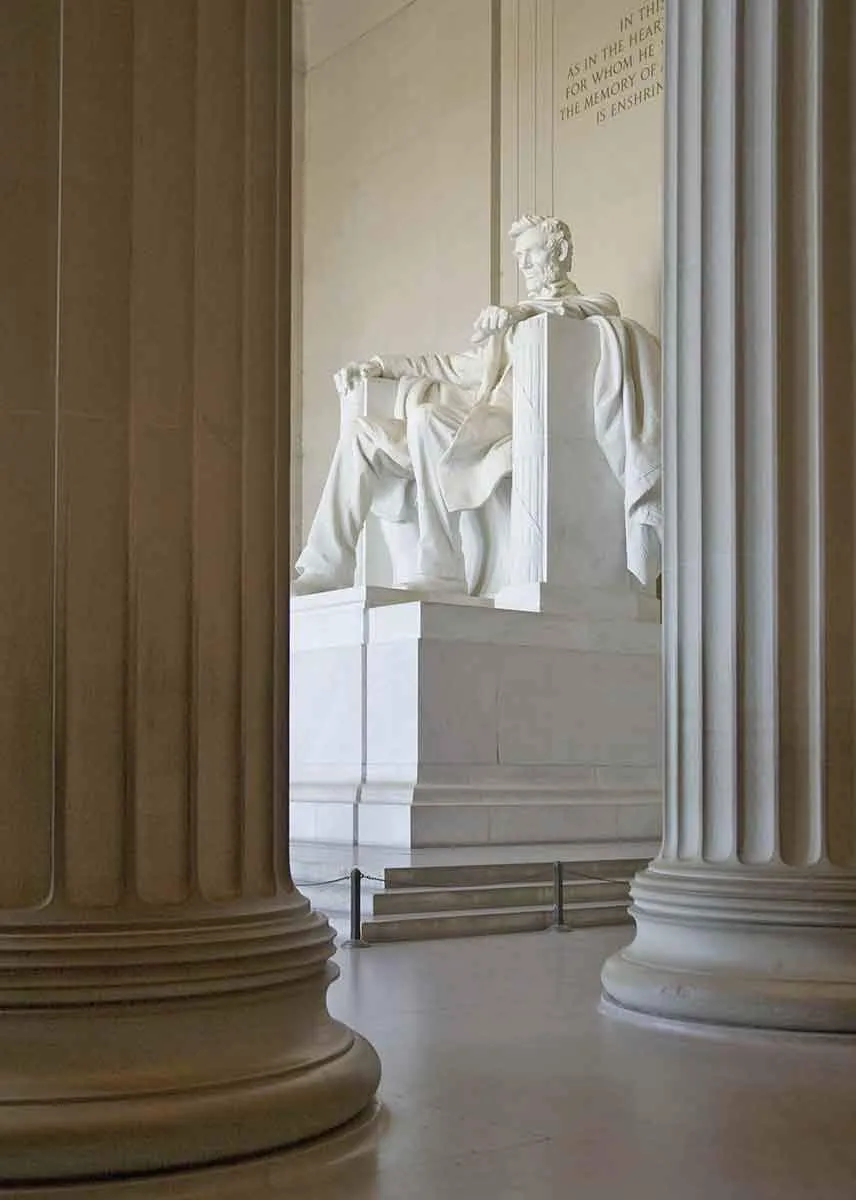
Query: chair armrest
[[370, 398]]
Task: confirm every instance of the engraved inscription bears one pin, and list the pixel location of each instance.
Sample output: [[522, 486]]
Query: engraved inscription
[[621, 74]]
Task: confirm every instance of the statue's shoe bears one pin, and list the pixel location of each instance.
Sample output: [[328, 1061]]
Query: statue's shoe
[[310, 583], [435, 583]]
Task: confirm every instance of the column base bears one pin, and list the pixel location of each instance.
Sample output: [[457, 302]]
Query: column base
[[344, 1158], [765, 947], [132, 1049]]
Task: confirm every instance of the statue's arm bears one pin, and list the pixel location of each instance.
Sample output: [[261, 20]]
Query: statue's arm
[[497, 319], [463, 370]]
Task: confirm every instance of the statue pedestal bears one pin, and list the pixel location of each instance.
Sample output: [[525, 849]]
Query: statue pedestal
[[421, 722], [531, 717]]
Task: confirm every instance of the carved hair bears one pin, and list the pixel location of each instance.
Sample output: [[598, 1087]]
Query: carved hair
[[554, 232]]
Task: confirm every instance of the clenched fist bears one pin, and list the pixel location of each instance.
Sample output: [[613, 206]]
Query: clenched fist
[[492, 319], [345, 378], [496, 319]]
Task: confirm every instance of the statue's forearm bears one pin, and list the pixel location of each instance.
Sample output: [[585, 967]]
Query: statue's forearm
[[392, 366], [400, 366], [462, 370]]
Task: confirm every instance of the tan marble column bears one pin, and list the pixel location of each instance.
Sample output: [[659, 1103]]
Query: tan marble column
[[748, 915], [162, 983]]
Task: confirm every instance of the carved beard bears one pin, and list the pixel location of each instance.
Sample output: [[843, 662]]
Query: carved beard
[[555, 280]]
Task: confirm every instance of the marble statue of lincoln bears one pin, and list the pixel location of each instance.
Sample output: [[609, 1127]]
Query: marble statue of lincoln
[[449, 444]]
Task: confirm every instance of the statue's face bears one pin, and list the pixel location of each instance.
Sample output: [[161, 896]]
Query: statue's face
[[538, 265]]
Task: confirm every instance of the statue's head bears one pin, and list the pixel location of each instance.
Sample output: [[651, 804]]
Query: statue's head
[[544, 252]]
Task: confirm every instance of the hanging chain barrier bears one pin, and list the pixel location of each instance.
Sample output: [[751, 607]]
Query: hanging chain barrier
[[305, 883], [560, 872], [574, 874], [356, 877]]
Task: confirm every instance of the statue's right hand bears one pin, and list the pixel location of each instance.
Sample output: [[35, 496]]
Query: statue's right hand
[[347, 376]]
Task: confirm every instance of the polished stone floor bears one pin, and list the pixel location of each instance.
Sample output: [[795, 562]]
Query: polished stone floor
[[504, 1081]]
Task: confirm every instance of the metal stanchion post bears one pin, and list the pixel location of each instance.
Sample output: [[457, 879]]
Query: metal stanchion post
[[355, 939], [558, 896]]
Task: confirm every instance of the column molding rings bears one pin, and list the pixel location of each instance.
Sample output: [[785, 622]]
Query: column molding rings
[[769, 949], [215, 1028]]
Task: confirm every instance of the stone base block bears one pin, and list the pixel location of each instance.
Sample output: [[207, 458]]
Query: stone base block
[[421, 723]]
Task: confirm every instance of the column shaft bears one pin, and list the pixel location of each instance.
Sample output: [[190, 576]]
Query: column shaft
[[749, 912], [161, 981]]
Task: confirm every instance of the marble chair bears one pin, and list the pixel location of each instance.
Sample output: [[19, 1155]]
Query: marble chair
[[386, 553], [551, 538]]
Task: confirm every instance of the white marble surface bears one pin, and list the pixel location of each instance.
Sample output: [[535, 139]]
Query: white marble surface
[[503, 1081], [329, 681], [560, 393], [449, 724], [567, 521]]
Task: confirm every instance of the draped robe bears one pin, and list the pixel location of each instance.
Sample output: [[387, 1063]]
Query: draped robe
[[477, 385]]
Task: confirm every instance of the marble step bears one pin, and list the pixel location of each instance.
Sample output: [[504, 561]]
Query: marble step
[[397, 901], [486, 874], [425, 926]]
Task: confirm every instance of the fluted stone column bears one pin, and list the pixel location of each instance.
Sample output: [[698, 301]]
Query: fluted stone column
[[162, 983], [748, 915]]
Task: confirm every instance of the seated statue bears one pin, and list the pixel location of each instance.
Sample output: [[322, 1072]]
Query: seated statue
[[449, 444]]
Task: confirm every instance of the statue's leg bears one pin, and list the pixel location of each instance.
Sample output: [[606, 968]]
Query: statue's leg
[[430, 431], [363, 455]]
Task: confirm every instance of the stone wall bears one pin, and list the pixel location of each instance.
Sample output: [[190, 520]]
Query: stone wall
[[397, 179]]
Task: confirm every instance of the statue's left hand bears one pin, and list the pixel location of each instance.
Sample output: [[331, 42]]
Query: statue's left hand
[[345, 378]]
